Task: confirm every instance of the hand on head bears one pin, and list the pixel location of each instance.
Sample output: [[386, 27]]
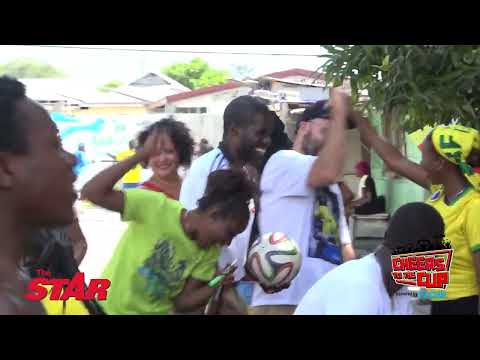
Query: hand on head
[[148, 149]]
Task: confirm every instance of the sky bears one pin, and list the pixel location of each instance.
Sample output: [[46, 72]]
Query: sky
[[100, 66]]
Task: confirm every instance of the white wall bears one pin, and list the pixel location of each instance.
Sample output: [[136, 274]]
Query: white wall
[[214, 102], [201, 126], [209, 125], [205, 126]]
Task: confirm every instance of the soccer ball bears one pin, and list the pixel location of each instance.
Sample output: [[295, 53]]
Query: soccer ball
[[274, 259]]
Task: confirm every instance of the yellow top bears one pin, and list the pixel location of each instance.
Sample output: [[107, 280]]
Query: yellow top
[[134, 175], [57, 307], [462, 229]]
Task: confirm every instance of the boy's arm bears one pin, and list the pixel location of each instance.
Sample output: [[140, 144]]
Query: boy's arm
[[99, 190]]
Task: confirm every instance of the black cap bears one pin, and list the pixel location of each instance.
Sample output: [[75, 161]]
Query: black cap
[[320, 109]]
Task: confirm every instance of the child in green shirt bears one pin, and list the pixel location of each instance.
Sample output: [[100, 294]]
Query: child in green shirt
[[167, 255]]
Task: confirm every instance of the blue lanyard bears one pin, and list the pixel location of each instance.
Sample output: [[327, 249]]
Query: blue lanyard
[[214, 168]]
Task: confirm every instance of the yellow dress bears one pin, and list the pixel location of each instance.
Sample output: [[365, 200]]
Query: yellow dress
[[59, 307]]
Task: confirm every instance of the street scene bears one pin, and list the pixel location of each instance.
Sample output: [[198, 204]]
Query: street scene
[[240, 180]]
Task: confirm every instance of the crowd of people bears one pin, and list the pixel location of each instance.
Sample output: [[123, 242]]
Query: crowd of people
[[184, 232]]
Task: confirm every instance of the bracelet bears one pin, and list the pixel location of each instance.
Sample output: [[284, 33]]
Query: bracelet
[[216, 281]]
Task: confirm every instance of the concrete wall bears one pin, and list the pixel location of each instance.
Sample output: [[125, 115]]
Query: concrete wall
[[110, 111], [215, 102], [208, 126]]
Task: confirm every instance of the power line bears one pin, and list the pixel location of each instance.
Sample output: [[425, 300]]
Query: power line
[[173, 51]]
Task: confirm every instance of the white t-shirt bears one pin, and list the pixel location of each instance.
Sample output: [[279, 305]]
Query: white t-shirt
[[355, 288], [287, 205], [193, 188]]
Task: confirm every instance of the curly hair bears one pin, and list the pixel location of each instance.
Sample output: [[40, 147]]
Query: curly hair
[[11, 129], [230, 191], [179, 134]]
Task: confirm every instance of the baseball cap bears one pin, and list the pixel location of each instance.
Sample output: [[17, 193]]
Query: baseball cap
[[320, 109]]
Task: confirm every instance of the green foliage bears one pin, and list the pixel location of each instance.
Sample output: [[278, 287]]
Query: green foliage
[[110, 85], [196, 74], [29, 69], [417, 85]]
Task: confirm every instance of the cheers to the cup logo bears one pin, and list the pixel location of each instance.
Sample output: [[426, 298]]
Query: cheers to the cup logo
[[428, 269]]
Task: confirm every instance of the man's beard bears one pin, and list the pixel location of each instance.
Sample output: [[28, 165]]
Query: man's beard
[[309, 146]]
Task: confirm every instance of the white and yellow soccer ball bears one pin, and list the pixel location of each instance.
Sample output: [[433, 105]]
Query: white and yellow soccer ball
[[274, 259]]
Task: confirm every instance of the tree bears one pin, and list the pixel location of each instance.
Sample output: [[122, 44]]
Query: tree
[[110, 86], [415, 85], [196, 74], [30, 69]]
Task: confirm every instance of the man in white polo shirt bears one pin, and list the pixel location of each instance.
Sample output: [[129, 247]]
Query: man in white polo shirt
[[366, 286], [246, 136], [299, 197]]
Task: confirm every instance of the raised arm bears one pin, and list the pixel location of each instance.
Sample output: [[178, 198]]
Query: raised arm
[[331, 158], [389, 154], [99, 190]]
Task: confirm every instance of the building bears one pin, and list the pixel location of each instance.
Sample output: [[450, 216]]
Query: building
[[288, 92], [201, 109], [105, 121], [293, 90], [207, 100], [151, 87], [78, 98]]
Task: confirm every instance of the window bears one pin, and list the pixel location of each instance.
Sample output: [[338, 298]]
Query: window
[[158, 109], [191, 110]]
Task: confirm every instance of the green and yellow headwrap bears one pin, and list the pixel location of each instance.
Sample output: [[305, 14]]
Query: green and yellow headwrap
[[455, 143]]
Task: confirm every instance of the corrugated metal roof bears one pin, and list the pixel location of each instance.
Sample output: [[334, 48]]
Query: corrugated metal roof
[[147, 94], [74, 92]]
